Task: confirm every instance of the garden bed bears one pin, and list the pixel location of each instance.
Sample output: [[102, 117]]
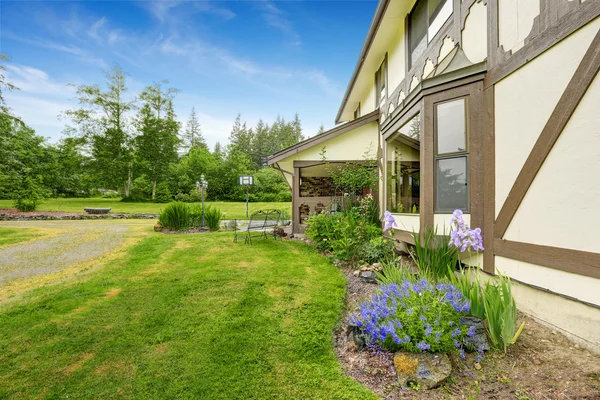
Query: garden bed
[[543, 364]]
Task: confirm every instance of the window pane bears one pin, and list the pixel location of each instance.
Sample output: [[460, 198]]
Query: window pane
[[439, 12], [403, 168], [451, 127], [418, 31], [451, 187]]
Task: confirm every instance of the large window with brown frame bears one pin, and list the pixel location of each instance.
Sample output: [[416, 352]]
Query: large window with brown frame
[[451, 155]]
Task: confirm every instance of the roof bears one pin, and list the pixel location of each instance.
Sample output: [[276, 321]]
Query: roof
[[330, 134], [379, 12]]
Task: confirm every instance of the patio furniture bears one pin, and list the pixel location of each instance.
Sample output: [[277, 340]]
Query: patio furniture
[[261, 222], [97, 210]]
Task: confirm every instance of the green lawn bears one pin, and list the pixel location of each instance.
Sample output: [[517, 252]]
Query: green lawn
[[10, 236], [232, 209], [182, 316]]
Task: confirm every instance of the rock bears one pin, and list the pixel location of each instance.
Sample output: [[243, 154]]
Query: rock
[[158, 228], [479, 340], [477, 366], [368, 276], [577, 346], [355, 334], [426, 370], [376, 267], [356, 273], [364, 268]]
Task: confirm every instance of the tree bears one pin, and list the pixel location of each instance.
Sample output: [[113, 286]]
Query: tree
[[241, 137], [193, 133], [218, 151], [321, 130], [103, 121], [6, 86], [157, 141], [262, 145]]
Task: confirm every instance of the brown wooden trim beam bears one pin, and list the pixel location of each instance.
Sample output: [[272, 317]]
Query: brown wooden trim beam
[[296, 201], [489, 183], [568, 102], [402, 236], [573, 21], [568, 260], [312, 163]]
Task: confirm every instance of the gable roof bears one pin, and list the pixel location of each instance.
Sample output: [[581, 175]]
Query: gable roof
[[379, 12], [330, 134]]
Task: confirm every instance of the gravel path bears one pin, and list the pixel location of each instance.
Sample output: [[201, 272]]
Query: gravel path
[[74, 242]]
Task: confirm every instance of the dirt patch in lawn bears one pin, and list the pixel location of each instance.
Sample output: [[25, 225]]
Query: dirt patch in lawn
[[543, 364]]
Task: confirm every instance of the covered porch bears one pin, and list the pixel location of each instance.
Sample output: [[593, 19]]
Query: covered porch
[[308, 165]]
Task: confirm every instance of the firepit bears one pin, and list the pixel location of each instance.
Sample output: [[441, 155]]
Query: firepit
[[97, 210]]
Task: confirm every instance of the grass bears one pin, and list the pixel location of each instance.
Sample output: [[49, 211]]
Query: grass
[[232, 210], [182, 316], [10, 236]]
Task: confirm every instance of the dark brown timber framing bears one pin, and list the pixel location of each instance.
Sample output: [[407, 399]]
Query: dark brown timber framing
[[489, 181], [330, 134], [568, 102], [502, 63], [573, 261]]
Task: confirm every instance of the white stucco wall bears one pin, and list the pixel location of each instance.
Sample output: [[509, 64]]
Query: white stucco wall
[[396, 59], [474, 34], [577, 286], [525, 99], [515, 20]]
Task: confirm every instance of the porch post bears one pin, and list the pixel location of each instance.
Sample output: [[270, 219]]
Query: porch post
[[296, 201]]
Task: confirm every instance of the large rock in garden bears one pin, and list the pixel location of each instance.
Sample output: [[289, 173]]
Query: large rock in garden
[[368, 276], [479, 340], [355, 334], [426, 370]]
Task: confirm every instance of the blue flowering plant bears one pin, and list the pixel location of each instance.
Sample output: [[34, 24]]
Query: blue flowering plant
[[415, 316]]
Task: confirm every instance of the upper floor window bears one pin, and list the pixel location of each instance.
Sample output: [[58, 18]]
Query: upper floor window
[[381, 84], [357, 112], [424, 22]]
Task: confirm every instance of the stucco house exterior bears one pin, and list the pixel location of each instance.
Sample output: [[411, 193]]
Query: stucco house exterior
[[491, 107]]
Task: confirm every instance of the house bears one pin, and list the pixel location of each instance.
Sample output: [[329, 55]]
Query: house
[[490, 107]]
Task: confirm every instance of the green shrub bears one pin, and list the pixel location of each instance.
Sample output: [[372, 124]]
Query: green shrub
[[136, 198], [415, 316], [433, 254], [30, 194], [377, 249], [175, 216], [343, 234], [183, 197], [162, 195], [212, 217]]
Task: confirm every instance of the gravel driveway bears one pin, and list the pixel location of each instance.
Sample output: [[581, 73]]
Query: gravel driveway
[[74, 242]]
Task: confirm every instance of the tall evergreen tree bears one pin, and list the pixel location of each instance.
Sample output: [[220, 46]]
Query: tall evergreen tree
[[241, 137], [262, 145], [193, 132], [321, 130]]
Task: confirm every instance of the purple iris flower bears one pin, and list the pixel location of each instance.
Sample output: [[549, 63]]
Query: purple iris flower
[[389, 220]]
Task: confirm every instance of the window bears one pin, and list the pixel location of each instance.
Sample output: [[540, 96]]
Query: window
[[424, 22], [380, 84], [403, 168], [357, 112], [451, 156]]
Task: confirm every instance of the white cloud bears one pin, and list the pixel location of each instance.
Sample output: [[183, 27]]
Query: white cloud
[[277, 19], [93, 32]]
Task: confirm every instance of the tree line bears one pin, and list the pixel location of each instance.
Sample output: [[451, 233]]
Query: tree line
[[135, 146]]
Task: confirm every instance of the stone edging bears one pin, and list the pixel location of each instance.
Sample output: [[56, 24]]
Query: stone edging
[[44, 217]]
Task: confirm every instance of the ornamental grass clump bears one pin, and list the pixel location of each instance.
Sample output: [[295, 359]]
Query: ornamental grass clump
[[176, 216], [415, 316]]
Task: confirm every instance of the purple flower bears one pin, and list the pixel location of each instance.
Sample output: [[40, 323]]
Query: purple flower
[[389, 220], [471, 331], [455, 333], [461, 236], [423, 346]]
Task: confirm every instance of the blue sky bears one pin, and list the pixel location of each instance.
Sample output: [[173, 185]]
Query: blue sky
[[259, 58]]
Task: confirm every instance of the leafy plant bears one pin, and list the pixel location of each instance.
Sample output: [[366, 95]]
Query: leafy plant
[[213, 216], [433, 254], [415, 317], [501, 313], [176, 216], [393, 272], [377, 249], [470, 289]]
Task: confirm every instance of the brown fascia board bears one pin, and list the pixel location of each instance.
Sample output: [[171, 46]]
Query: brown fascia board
[[317, 139], [381, 7]]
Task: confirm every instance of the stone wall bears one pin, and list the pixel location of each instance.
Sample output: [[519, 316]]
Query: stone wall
[[42, 217], [316, 186]]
